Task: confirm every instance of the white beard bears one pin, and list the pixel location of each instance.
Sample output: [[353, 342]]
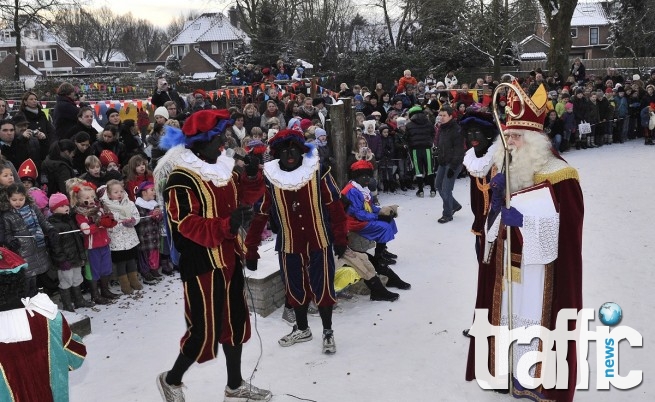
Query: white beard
[[526, 161]]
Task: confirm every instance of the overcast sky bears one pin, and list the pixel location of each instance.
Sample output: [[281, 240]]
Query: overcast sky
[[161, 12]]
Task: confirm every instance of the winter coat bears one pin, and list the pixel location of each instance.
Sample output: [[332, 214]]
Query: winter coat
[[131, 186], [592, 116], [161, 97], [64, 116], [553, 128], [94, 236], [115, 147], [93, 133], [58, 171], [249, 123], [374, 144], [79, 160], [122, 237], [569, 122], [420, 132], [604, 109], [580, 106], [148, 229], [621, 106], [40, 121], [70, 247], [645, 116], [450, 151], [36, 256]]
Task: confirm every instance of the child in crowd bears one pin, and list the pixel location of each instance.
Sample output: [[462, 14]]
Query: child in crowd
[[110, 165], [94, 222], [568, 118], [93, 171], [28, 175], [6, 176], [405, 80], [27, 232], [68, 254], [322, 146], [386, 168], [148, 230], [123, 237], [137, 173]]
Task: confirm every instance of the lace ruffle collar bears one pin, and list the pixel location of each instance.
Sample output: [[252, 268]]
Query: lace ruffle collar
[[479, 167], [219, 173], [295, 179]]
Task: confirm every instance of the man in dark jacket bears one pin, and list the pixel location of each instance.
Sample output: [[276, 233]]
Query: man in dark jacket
[[163, 93], [420, 135], [450, 155]]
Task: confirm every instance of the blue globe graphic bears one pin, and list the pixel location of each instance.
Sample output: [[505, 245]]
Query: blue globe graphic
[[610, 314]]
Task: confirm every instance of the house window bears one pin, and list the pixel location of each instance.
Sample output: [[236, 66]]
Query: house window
[[227, 46], [29, 54], [3, 55], [593, 36], [5, 36], [574, 33], [215, 48], [180, 51], [47, 54]]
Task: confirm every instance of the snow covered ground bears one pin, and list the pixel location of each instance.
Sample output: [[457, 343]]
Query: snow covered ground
[[411, 349]]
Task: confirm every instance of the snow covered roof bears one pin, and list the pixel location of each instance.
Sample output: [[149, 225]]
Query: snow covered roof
[[305, 64], [209, 27], [32, 68], [223, 30], [209, 60], [533, 56], [534, 37], [589, 14], [204, 76]]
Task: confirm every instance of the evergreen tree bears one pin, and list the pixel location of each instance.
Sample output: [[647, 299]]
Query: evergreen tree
[[632, 30], [266, 40]]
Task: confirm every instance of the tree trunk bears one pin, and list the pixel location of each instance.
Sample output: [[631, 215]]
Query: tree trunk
[[559, 28], [19, 42]]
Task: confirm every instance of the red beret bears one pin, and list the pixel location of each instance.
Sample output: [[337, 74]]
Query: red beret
[[609, 91], [200, 92], [203, 121], [361, 165]]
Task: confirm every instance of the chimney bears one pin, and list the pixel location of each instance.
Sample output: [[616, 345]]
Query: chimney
[[234, 17]]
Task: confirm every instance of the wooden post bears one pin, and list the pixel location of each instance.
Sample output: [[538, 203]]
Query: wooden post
[[339, 135], [349, 113], [313, 87]]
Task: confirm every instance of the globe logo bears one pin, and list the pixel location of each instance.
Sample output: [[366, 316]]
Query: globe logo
[[610, 314]]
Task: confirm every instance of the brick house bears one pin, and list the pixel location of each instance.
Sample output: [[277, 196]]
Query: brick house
[[41, 52], [204, 42]]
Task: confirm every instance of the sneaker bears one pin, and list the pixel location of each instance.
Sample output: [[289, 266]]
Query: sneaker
[[246, 392], [457, 208], [289, 316], [296, 336], [329, 347], [433, 194], [169, 393], [313, 310], [445, 219]]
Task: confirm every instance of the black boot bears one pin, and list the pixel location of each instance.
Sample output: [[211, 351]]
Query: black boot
[[95, 294], [419, 184], [389, 254], [380, 255], [66, 300], [79, 300], [379, 292], [394, 279]]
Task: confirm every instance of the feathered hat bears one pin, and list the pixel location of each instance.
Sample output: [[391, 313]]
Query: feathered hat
[[284, 137], [255, 146], [201, 126]]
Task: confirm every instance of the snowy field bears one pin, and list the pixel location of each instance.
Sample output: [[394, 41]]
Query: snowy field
[[412, 349]]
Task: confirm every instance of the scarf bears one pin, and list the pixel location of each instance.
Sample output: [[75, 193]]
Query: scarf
[[366, 192], [31, 221]]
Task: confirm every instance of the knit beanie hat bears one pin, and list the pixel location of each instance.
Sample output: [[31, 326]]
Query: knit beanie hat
[[319, 132], [57, 200], [569, 105], [110, 111], [305, 124], [162, 111], [107, 157]]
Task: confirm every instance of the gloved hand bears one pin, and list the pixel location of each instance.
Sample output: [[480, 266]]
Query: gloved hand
[[385, 218], [240, 217], [252, 165], [450, 173], [251, 265], [65, 266], [107, 221], [156, 214], [497, 191], [128, 223], [340, 250], [511, 217]]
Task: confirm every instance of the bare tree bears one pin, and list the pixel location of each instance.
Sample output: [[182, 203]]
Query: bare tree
[[407, 12], [28, 13], [107, 29], [558, 14], [177, 24], [141, 40]]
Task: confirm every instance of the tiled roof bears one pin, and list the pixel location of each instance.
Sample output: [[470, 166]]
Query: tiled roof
[[194, 29], [589, 14], [533, 56], [223, 30]]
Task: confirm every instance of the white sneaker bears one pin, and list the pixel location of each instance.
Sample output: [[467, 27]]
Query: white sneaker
[[296, 336], [312, 310], [246, 392], [329, 346], [169, 393], [289, 316]]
